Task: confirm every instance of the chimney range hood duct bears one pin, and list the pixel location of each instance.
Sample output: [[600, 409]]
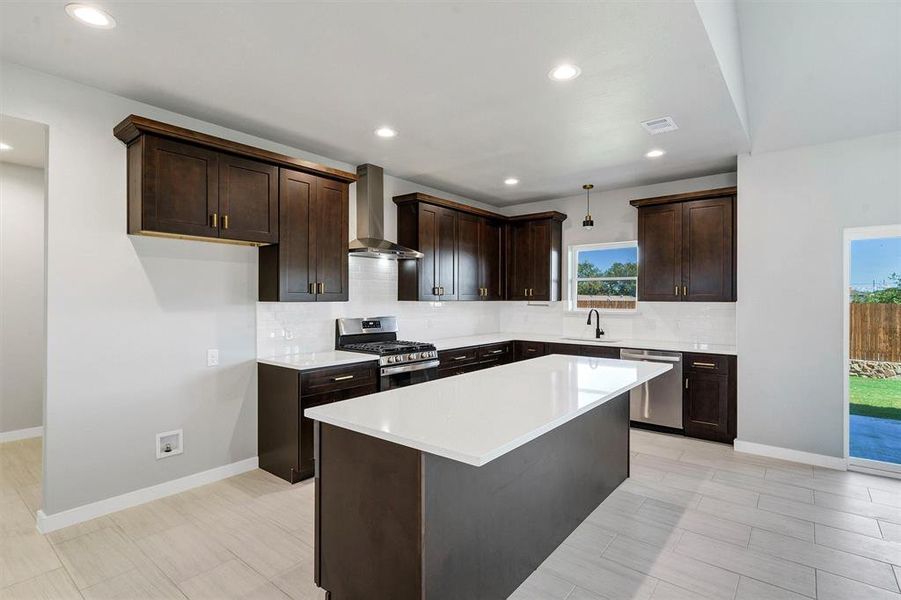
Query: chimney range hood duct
[[371, 240]]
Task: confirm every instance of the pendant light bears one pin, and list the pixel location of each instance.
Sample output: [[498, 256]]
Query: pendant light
[[588, 222]]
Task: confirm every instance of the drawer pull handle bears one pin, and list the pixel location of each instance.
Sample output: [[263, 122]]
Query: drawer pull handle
[[224, 221], [460, 357], [342, 378], [531, 350], [495, 352], [705, 365]]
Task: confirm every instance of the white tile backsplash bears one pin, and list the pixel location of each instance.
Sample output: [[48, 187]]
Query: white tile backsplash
[[296, 327]]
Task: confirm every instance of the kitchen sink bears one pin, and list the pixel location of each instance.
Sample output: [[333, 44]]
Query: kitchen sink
[[594, 341]]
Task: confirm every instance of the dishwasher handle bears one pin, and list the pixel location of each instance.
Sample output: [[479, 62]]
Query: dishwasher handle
[[672, 359]]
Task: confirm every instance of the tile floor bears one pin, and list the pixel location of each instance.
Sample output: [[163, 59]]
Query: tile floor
[[695, 520]]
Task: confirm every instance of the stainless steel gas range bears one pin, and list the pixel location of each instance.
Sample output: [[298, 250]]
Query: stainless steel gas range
[[401, 363]]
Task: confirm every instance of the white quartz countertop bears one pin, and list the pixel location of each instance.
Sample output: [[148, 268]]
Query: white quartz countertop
[[493, 338], [476, 417], [315, 360]]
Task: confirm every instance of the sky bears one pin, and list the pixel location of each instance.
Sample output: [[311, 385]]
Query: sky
[[604, 258], [874, 260]]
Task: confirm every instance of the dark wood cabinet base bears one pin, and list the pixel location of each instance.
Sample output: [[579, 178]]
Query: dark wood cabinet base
[[394, 522]]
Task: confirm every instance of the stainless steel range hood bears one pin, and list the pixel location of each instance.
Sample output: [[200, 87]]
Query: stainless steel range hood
[[371, 240]]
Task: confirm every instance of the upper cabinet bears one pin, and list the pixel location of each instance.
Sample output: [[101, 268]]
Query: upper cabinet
[[186, 184], [467, 255], [535, 257], [309, 264], [183, 183], [686, 247]]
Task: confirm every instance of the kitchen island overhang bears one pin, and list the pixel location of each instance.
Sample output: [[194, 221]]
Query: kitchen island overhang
[[461, 487]]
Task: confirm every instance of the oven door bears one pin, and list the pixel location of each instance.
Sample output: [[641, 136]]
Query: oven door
[[404, 375]]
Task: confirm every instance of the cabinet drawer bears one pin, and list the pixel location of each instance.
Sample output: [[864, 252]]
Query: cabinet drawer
[[338, 378], [496, 352], [458, 357], [706, 363], [451, 370], [526, 350], [600, 351], [567, 349]]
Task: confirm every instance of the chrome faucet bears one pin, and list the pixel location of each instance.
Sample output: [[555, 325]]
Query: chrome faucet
[[598, 332]]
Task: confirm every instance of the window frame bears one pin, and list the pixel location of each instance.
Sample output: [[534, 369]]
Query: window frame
[[573, 276]]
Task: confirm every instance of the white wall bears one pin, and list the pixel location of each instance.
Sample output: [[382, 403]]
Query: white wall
[[792, 209], [129, 319], [21, 297]]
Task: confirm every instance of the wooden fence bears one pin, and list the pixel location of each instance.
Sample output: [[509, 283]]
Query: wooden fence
[[876, 332]]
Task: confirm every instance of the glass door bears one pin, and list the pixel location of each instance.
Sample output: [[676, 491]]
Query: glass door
[[874, 351]]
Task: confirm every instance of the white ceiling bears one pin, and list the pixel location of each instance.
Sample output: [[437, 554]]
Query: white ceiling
[[465, 84], [28, 140], [818, 72]]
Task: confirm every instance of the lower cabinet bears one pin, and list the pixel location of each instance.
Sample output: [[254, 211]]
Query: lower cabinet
[[284, 435], [709, 397], [473, 358], [582, 350]]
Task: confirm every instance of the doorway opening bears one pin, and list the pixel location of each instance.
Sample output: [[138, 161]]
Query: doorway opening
[[873, 348], [23, 315]]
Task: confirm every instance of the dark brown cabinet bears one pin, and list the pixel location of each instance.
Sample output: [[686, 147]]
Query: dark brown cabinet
[[473, 358], [524, 350], [709, 397], [285, 436], [687, 247], [535, 258], [248, 200], [433, 231], [467, 255], [187, 184], [310, 261]]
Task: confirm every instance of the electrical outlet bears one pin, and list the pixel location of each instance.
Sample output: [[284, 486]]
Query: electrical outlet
[[169, 443], [212, 357]]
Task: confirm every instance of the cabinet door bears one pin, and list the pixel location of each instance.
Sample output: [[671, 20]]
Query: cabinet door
[[660, 252], [469, 284], [180, 188], [331, 239], [446, 254], [705, 406], [248, 200], [520, 261], [524, 350], [540, 238], [296, 247], [708, 250], [491, 255], [428, 245]]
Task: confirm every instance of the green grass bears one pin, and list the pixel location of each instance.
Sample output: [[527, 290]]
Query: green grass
[[876, 397]]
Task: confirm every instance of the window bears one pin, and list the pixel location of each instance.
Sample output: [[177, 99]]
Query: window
[[604, 276]]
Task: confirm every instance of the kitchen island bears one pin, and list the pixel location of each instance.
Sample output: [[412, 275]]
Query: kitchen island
[[461, 487]]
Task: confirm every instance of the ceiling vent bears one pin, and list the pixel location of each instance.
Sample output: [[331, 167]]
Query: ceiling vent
[[661, 125]]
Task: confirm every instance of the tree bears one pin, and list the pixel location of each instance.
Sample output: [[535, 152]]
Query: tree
[[889, 295], [625, 287]]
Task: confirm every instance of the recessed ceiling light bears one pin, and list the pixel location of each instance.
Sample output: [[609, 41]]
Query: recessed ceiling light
[[511, 181], [564, 72], [90, 15], [385, 132], [4, 147], [655, 153]]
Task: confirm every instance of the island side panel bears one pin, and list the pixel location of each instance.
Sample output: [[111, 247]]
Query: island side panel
[[368, 516], [487, 528]]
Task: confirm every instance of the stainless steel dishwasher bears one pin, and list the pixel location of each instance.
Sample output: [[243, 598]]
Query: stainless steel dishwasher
[[658, 401]]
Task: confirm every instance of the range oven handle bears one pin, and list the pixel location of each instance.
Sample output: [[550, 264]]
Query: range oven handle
[[418, 366]]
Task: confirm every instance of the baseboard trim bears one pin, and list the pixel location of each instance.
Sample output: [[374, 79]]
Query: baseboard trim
[[21, 434], [798, 456], [47, 523]]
